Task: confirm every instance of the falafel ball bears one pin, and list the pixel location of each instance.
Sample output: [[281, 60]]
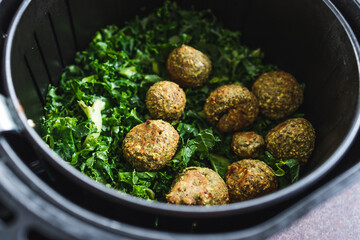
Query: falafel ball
[[247, 144], [247, 179], [151, 145], [294, 138], [279, 94], [231, 108], [165, 100], [188, 67], [198, 186]]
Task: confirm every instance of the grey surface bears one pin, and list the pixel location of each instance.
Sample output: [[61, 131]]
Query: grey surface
[[337, 218]]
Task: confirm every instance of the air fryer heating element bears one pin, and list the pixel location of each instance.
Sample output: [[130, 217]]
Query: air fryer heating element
[[42, 197]]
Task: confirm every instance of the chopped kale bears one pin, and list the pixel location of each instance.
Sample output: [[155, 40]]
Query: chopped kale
[[113, 74]]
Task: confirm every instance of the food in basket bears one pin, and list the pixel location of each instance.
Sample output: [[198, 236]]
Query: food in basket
[[119, 68], [198, 186]]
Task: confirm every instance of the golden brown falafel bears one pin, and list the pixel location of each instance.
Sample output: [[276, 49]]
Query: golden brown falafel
[[165, 100], [188, 67], [231, 108], [248, 179], [198, 186], [279, 94], [151, 145], [247, 144], [294, 138]]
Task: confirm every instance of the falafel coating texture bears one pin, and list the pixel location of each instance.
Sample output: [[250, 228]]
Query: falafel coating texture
[[279, 94], [231, 108], [293, 138], [248, 179], [247, 144], [188, 67], [198, 186], [151, 145], [165, 100]]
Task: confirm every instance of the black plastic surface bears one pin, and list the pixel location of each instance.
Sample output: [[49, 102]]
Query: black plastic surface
[[7, 11]]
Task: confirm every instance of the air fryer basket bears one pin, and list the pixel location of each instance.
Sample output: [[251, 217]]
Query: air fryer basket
[[307, 38]]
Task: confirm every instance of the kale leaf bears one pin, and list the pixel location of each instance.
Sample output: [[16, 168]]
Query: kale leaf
[[287, 171]]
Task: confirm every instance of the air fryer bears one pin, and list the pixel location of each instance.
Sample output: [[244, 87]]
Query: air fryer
[[310, 39]]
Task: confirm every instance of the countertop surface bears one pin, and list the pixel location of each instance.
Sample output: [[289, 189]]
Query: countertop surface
[[336, 218]]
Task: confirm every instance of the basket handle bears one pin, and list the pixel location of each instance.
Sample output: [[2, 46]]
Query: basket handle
[[7, 121]]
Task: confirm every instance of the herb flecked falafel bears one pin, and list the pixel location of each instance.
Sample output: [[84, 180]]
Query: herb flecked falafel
[[231, 108], [279, 94], [188, 67], [247, 179], [151, 145], [198, 186], [247, 144], [165, 100], [294, 138]]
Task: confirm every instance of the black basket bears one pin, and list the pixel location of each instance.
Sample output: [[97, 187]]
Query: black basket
[[310, 39]]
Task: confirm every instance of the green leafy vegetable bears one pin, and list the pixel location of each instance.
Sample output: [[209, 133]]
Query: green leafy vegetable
[[194, 149], [94, 114], [219, 164], [287, 171], [109, 80]]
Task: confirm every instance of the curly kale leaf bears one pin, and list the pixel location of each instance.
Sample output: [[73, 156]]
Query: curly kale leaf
[[287, 171]]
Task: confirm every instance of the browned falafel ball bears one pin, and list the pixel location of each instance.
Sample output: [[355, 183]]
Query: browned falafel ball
[[165, 100], [151, 145], [198, 186], [247, 144], [279, 94], [248, 179], [188, 67], [231, 108], [294, 138]]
